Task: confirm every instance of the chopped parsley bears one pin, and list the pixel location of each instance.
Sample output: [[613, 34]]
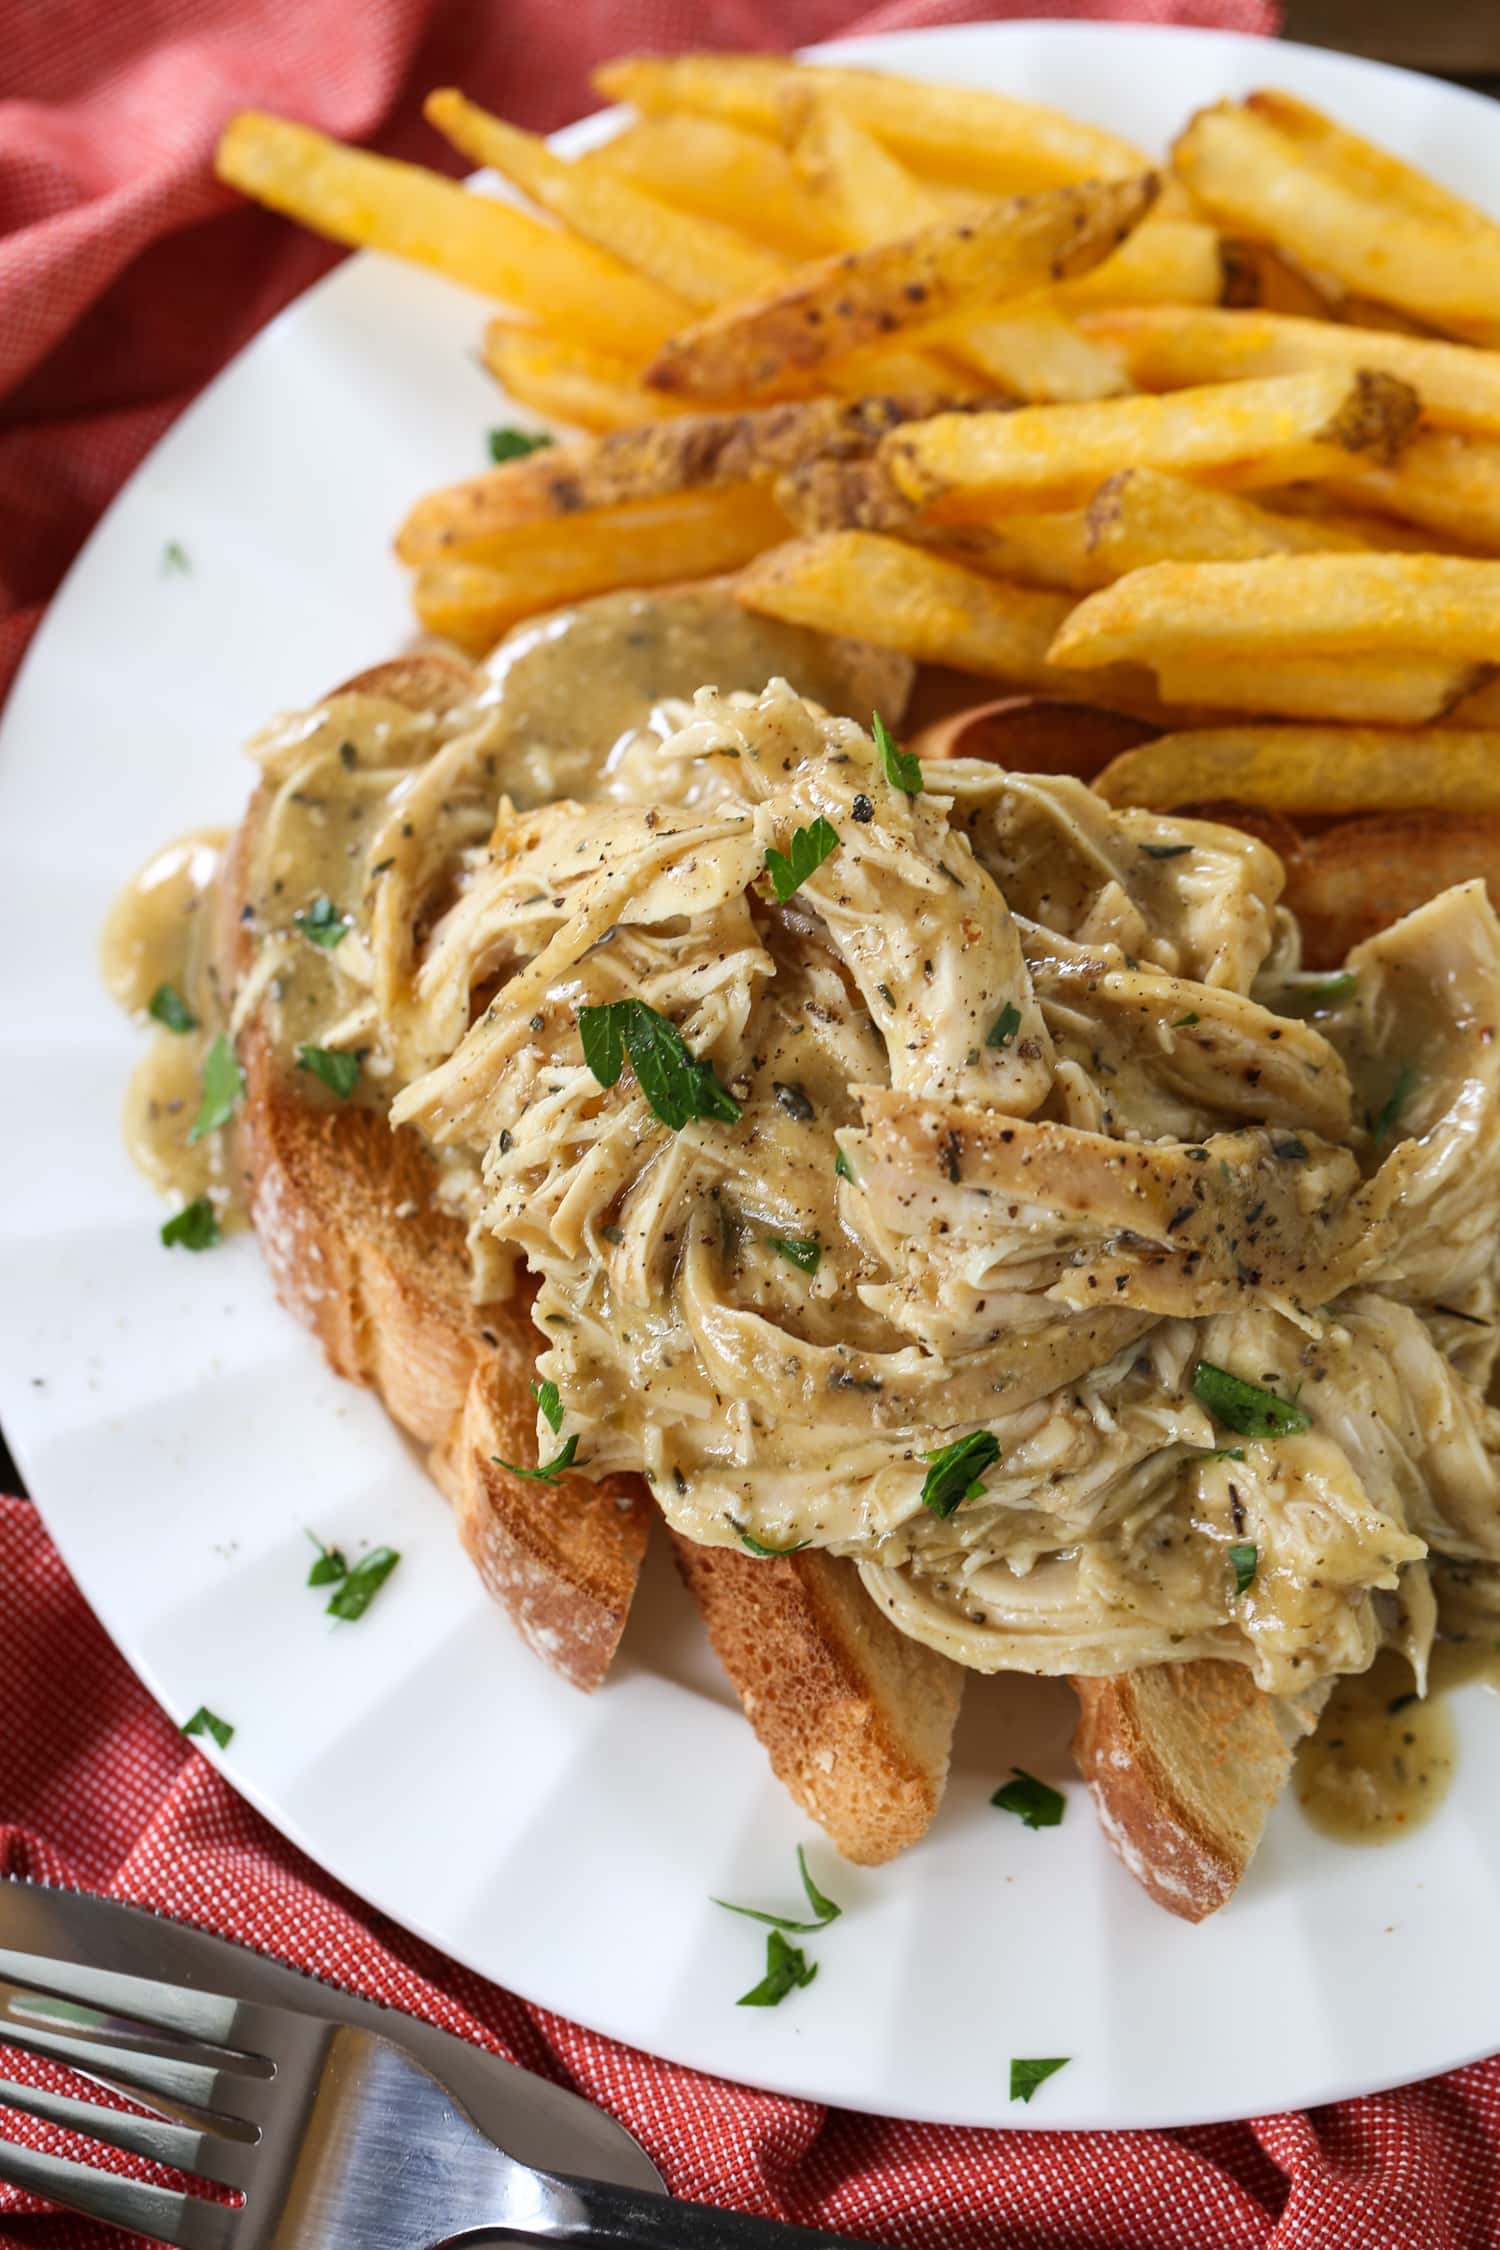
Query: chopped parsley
[[1165, 851], [204, 1721], [174, 557], [1245, 1559], [321, 923], [223, 1089], [810, 846], [545, 1472], [550, 1404], [902, 768], [167, 1006], [363, 1583], [1290, 1151], [1395, 1102], [842, 1168], [758, 1547], [1245, 1407], [676, 1084], [787, 1969], [1183, 1022], [1326, 992], [338, 1071], [799, 1249], [1005, 1026], [824, 1910], [331, 1564], [1035, 1802], [958, 1471], [1029, 2072], [514, 445], [194, 1227]]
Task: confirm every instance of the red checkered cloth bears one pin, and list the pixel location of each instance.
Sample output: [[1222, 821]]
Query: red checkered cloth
[[126, 279]]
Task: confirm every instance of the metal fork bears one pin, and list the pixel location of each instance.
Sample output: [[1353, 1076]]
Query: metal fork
[[330, 2136]]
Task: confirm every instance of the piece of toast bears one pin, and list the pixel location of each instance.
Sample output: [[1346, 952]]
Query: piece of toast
[[1184, 1763]]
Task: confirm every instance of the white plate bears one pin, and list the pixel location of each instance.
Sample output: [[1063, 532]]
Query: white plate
[[179, 1432]]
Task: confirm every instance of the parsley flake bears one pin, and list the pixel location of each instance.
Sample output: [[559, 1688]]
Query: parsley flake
[[677, 1086], [1395, 1101], [1245, 1407], [363, 1583], [174, 558], [1312, 998], [810, 846], [321, 923], [958, 1471], [758, 1547], [223, 1089], [550, 1403], [194, 1227], [331, 1564], [204, 1721], [1245, 1559], [545, 1472], [842, 1168], [799, 1249], [902, 768], [1184, 1022], [823, 1908], [1029, 2072], [787, 1970], [167, 1006], [338, 1071], [1035, 1802], [514, 445], [1005, 1026], [1165, 851]]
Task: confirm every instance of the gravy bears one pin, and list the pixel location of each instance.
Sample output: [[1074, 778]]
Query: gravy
[[1383, 1759]]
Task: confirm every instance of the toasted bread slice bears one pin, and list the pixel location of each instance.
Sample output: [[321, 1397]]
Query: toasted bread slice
[[856, 1718], [1184, 1762], [360, 1251]]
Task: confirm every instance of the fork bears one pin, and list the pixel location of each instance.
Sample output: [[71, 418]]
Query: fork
[[330, 2137]]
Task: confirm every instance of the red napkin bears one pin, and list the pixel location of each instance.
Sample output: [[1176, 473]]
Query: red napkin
[[126, 278]]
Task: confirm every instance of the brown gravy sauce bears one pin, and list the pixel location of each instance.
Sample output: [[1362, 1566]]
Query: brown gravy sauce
[[1382, 1758]]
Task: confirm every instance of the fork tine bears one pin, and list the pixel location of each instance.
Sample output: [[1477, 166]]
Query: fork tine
[[178, 2145], [201, 2085], [166, 2007], [161, 2214]]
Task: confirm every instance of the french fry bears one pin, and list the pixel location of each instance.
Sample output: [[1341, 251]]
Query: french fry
[[1166, 261], [1255, 274], [1234, 435], [1167, 350], [867, 295], [1364, 874], [474, 521], [1037, 354], [981, 140], [699, 260], [1441, 606], [717, 170], [1367, 527], [572, 383], [377, 204], [1409, 691], [1312, 769], [651, 543], [1363, 223], [1367, 166], [1480, 708], [1446, 483]]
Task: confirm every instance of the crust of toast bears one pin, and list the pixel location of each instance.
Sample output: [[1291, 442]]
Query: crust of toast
[[856, 1718], [1184, 1762]]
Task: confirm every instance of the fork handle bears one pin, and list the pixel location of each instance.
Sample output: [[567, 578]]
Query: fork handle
[[594, 2215]]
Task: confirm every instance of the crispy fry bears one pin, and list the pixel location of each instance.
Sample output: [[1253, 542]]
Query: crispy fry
[[857, 299], [1233, 435], [1166, 261], [699, 260], [1312, 769], [981, 140], [719, 171], [651, 543], [1255, 274], [1363, 875], [1443, 606], [1036, 353], [1165, 350], [380, 205], [1444, 482], [474, 521], [1377, 691], [1360, 220], [571, 383]]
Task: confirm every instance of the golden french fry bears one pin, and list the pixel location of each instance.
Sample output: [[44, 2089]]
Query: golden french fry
[[1442, 606], [1364, 874], [1362, 222], [1036, 353], [1365, 527], [1444, 482], [570, 382], [1408, 691], [1366, 165], [867, 295], [377, 204], [1480, 708], [1165, 261], [1312, 769], [868, 193], [651, 543], [721, 172], [1165, 350], [1234, 435], [981, 140], [699, 260], [475, 521], [1255, 274]]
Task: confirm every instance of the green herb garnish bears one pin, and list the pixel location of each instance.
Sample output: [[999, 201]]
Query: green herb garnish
[[514, 445], [203, 1721], [546, 1472], [194, 1227], [1165, 851], [167, 1006], [1245, 1406], [1033, 1801], [1183, 1022], [800, 1249], [330, 1566], [809, 848], [1245, 1559], [1395, 1101], [787, 1969], [174, 556], [823, 1908], [842, 1168], [902, 768], [1327, 992], [548, 1399], [1028, 2072], [338, 1071], [363, 1583], [958, 1470], [223, 1089], [759, 1547], [676, 1084], [321, 923], [1005, 1026]]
